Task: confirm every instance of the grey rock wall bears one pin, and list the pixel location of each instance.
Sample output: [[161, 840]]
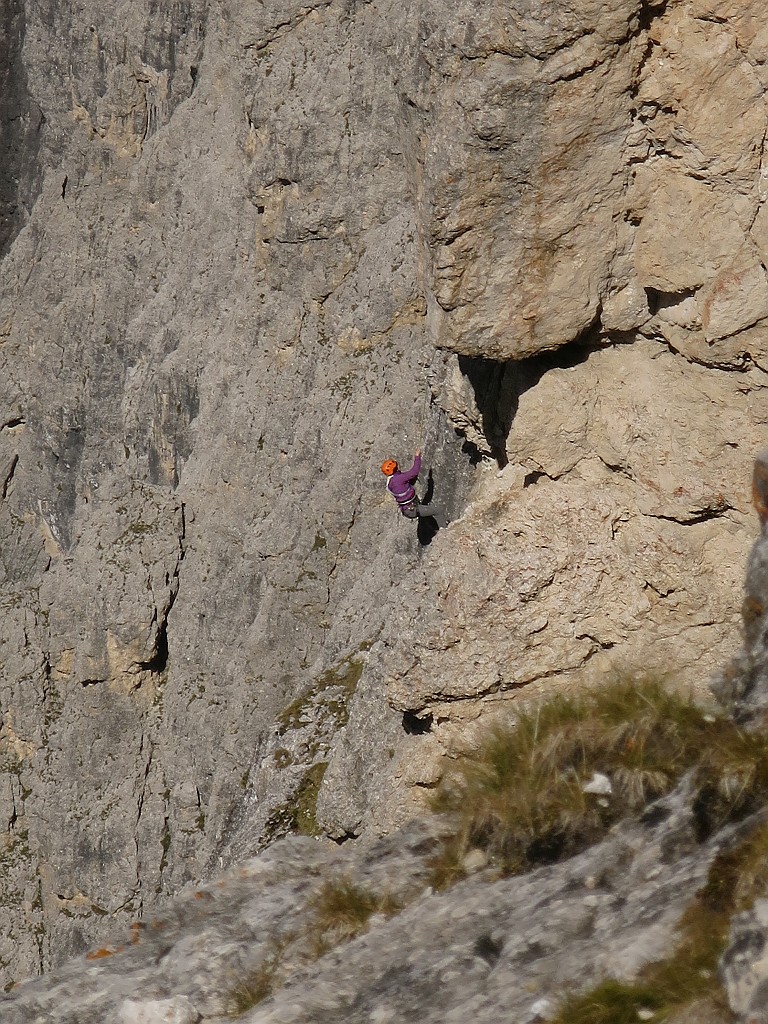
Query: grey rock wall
[[193, 521], [485, 950], [252, 250], [21, 124]]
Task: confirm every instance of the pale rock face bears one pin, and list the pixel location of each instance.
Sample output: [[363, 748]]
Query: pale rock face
[[608, 544], [233, 237], [699, 193], [178, 1010], [647, 530], [524, 206]]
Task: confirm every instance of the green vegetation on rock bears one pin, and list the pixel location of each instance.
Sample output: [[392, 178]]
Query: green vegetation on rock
[[333, 689], [299, 814], [737, 877], [342, 910], [522, 797], [305, 814]]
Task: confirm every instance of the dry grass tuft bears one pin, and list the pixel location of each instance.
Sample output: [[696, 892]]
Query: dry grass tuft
[[610, 1002], [342, 910], [260, 983], [521, 799]]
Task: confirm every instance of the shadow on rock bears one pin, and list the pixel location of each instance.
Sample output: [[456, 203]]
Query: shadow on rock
[[427, 529]]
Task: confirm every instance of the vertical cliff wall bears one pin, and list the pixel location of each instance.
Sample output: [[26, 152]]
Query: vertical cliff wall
[[251, 250]]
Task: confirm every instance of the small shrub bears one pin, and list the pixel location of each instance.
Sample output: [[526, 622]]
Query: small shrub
[[260, 983], [520, 797], [342, 910]]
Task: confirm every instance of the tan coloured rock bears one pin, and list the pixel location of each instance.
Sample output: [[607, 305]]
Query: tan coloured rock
[[698, 189], [626, 309], [526, 185], [687, 232], [614, 540], [702, 99], [737, 298]]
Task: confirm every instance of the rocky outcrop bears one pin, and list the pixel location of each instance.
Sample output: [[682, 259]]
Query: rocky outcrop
[[485, 948], [251, 250], [613, 537], [311, 931], [743, 682]]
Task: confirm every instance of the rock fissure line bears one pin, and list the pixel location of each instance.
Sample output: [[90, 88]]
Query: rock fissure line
[[9, 474], [694, 519], [345, 540]]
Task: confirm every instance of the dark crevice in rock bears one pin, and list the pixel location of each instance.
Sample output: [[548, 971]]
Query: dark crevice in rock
[[64, 464], [9, 475], [498, 386], [427, 529], [705, 515], [650, 12], [472, 452], [658, 300], [159, 660], [532, 478], [416, 726], [488, 948], [345, 838], [496, 401], [655, 814]]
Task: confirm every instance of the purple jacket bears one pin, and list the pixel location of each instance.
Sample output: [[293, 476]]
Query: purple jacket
[[400, 484]]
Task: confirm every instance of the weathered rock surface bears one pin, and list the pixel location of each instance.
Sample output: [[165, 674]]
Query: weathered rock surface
[[256, 943], [483, 948], [234, 238]]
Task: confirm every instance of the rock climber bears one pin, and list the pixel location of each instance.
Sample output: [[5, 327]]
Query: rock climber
[[400, 486]]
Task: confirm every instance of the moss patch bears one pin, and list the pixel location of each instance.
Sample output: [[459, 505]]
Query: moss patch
[[305, 815], [300, 813], [331, 692]]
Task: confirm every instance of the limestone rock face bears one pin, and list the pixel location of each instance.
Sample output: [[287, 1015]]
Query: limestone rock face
[[607, 507], [483, 950], [249, 251]]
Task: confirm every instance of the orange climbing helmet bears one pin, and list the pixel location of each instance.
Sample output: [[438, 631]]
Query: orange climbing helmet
[[388, 467]]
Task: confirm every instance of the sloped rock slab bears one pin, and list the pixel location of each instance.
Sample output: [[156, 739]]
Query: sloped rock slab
[[482, 948]]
